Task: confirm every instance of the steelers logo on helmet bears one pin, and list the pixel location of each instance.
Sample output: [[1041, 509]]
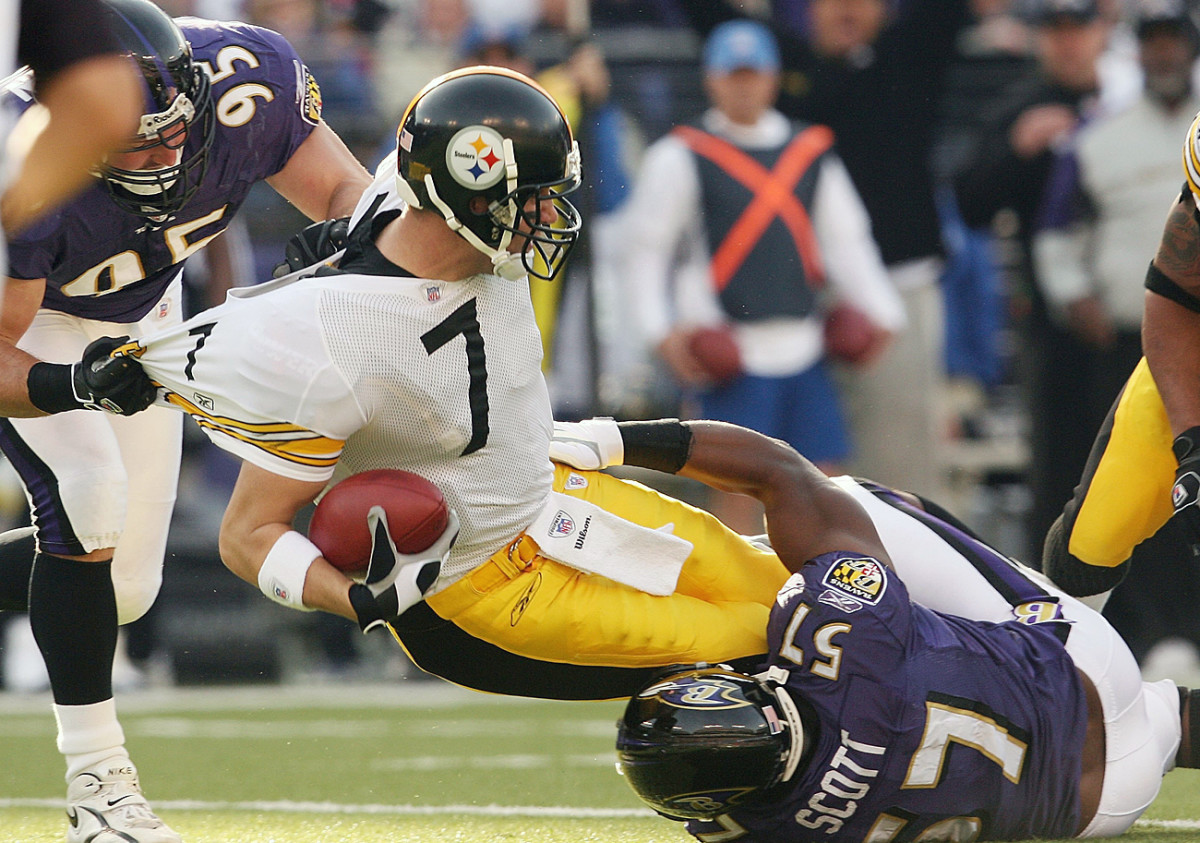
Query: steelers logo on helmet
[[475, 157]]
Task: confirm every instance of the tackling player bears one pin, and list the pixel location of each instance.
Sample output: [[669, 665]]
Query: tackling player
[[875, 718], [226, 105], [419, 352]]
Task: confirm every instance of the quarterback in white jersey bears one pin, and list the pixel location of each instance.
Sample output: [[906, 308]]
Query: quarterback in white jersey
[[376, 371], [420, 351]]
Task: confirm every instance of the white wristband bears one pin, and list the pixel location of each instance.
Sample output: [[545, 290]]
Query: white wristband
[[282, 574]]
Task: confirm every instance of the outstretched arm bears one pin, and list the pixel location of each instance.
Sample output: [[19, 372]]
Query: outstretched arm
[[807, 514], [1170, 331]]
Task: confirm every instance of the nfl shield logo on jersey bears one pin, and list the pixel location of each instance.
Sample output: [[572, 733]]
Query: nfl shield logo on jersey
[[562, 525]]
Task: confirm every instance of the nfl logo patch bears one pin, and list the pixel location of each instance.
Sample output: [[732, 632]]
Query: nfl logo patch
[[562, 525], [164, 307], [576, 482], [433, 294]]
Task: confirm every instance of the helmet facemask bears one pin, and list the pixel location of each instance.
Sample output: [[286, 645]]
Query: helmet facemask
[[177, 115], [159, 193]]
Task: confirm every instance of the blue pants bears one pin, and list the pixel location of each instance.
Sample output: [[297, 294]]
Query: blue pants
[[804, 410]]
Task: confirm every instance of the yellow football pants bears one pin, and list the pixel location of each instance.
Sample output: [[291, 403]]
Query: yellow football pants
[[521, 623], [1125, 494]]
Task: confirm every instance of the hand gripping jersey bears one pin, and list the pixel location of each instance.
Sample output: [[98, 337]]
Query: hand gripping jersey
[[928, 723], [369, 371], [101, 262]]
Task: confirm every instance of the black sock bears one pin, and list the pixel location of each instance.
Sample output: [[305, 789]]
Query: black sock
[[1189, 715], [1070, 573], [17, 548], [73, 612]]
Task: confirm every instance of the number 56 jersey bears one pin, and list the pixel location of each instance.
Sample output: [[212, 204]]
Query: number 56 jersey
[[104, 263], [336, 374], [931, 727]]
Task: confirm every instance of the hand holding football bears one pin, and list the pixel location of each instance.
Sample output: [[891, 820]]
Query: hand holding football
[[417, 515]]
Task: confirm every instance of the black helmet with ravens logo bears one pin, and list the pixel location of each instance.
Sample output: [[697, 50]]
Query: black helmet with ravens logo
[[701, 741], [487, 148], [178, 112]]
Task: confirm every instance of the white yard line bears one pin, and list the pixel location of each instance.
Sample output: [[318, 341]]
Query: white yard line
[[569, 812]]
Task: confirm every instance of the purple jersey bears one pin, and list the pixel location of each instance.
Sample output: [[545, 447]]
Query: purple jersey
[[925, 719], [101, 262]]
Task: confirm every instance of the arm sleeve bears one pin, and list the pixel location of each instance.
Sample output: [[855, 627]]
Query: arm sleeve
[[57, 33], [853, 265]]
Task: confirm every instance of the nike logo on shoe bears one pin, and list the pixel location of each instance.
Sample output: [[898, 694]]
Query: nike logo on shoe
[[112, 802]]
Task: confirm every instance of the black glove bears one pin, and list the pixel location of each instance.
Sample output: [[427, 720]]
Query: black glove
[[99, 381], [314, 243], [397, 581], [1185, 495]]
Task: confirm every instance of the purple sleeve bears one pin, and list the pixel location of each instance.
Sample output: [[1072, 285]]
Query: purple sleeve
[[851, 589], [273, 85]]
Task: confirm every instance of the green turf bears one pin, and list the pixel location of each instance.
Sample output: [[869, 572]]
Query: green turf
[[380, 765]]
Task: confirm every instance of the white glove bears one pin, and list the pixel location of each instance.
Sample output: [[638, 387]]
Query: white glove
[[397, 580], [591, 444]]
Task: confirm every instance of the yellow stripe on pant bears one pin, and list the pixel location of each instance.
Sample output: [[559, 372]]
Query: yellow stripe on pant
[[1125, 494], [539, 609]]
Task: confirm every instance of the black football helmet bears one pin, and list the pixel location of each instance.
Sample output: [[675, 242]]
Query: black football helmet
[[701, 741], [177, 94], [476, 145]]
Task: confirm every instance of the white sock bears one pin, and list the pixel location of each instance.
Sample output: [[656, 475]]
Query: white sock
[[88, 734]]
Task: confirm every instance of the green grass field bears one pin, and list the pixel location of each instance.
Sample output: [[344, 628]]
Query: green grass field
[[414, 761]]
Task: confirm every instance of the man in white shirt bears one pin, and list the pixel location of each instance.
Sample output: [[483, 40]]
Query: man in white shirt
[[753, 216]]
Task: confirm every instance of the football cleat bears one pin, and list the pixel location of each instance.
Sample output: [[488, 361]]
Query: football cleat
[[106, 805]]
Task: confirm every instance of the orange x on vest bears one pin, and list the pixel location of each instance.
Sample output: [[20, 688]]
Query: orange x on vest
[[774, 197]]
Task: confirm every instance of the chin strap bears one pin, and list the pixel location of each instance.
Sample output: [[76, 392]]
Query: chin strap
[[505, 264], [775, 678]]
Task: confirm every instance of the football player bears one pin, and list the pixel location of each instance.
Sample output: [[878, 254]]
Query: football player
[[877, 718], [1144, 466], [226, 105], [420, 351]]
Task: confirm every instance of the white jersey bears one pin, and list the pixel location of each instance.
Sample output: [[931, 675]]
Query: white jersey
[[320, 378]]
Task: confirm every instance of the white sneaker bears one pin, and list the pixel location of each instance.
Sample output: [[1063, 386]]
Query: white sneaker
[[106, 805]]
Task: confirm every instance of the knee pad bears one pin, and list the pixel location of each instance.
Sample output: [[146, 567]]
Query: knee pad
[[1073, 575]]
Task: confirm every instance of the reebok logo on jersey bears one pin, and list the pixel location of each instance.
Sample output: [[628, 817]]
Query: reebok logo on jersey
[[861, 578], [839, 601], [562, 525]]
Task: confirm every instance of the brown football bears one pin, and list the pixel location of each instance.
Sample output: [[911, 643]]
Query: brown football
[[416, 514]]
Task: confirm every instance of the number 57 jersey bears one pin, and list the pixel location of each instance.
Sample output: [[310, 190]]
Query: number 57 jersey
[[332, 375], [931, 727]]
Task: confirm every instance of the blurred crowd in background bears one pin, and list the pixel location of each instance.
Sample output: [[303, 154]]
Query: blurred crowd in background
[[1014, 229]]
